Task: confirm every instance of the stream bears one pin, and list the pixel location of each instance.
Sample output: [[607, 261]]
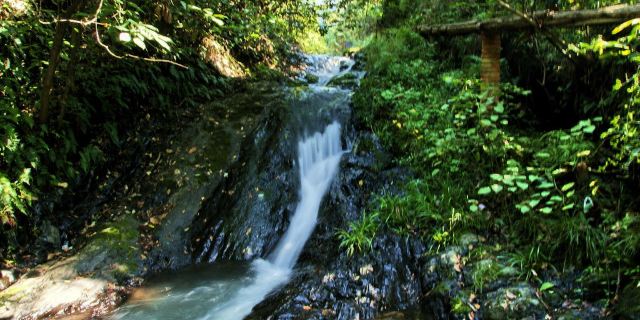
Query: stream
[[230, 289]]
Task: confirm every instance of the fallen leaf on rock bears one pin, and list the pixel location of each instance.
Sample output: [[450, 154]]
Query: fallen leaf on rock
[[458, 263], [328, 312]]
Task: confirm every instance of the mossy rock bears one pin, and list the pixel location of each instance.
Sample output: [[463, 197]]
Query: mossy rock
[[113, 250], [348, 81], [311, 78], [628, 308], [516, 302]]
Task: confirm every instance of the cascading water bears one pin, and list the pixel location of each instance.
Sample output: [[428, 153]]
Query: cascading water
[[318, 158], [230, 292]]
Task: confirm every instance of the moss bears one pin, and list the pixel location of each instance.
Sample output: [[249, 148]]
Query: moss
[[13, 293], [442, 288], [484, 272], [310, 78], [347, 80], [114, 249]]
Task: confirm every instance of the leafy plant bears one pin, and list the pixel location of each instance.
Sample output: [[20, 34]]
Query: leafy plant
[[360, 235]]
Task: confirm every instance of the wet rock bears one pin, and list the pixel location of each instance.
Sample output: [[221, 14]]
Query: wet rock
[[311, 79], [210, 146], [346, 81], [50, 235], [359, 59], [219, 56], [357, 287], [344, 65], [80, 282], [7, 278], [247, 212], [629, 305], [469, 239], [516, 302]]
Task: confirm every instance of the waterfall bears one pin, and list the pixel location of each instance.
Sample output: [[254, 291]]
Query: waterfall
[[318, 159]]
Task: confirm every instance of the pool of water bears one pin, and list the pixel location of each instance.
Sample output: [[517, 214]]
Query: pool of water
[[189, 293]]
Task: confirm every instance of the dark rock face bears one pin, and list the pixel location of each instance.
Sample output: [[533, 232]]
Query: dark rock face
[[248, 211], [210, 147]]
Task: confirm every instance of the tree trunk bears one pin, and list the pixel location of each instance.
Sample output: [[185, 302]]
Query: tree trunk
[[543, 19], [76, 37], [490, 61], [54, 61]]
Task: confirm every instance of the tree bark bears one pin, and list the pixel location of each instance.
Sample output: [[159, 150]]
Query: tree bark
[[490, 62], [543, 19], [54, 61], [76, 37]]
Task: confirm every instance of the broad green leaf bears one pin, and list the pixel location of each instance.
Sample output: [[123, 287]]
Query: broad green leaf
[[522, 185], [524, 209], [140, 43], [496, 188], [533, 177], [584, 153], [217, 21], [546, 286], [546, 210], [589, 129], [484, 191], [546, 185], [625, 25], [495, 176], [567, 186]]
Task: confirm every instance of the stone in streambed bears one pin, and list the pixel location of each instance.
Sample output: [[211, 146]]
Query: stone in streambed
[[515, 302], [346, 81]]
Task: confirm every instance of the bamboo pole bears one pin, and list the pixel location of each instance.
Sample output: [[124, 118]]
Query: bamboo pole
[[543, 19]]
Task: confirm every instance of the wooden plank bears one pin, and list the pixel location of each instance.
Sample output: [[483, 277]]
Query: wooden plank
[[544, 19]]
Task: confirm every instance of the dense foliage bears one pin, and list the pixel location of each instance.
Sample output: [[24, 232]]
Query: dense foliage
[[78, 78], [550, 173]]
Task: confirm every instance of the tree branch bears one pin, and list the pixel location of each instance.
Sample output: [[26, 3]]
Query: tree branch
[[541, 18]]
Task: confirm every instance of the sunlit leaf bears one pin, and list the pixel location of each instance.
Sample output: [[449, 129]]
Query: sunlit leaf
[[124, 37], [140, 43], [484, 191], [546, 210], [546, 286]]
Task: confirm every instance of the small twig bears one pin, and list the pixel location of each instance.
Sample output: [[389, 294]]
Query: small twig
[[555, 41], [132, 56], [83, 23], [96, 24], [520, 14]]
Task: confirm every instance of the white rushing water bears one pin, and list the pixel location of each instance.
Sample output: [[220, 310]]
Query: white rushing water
[[229, 292], [318, 159], [327, 67]]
